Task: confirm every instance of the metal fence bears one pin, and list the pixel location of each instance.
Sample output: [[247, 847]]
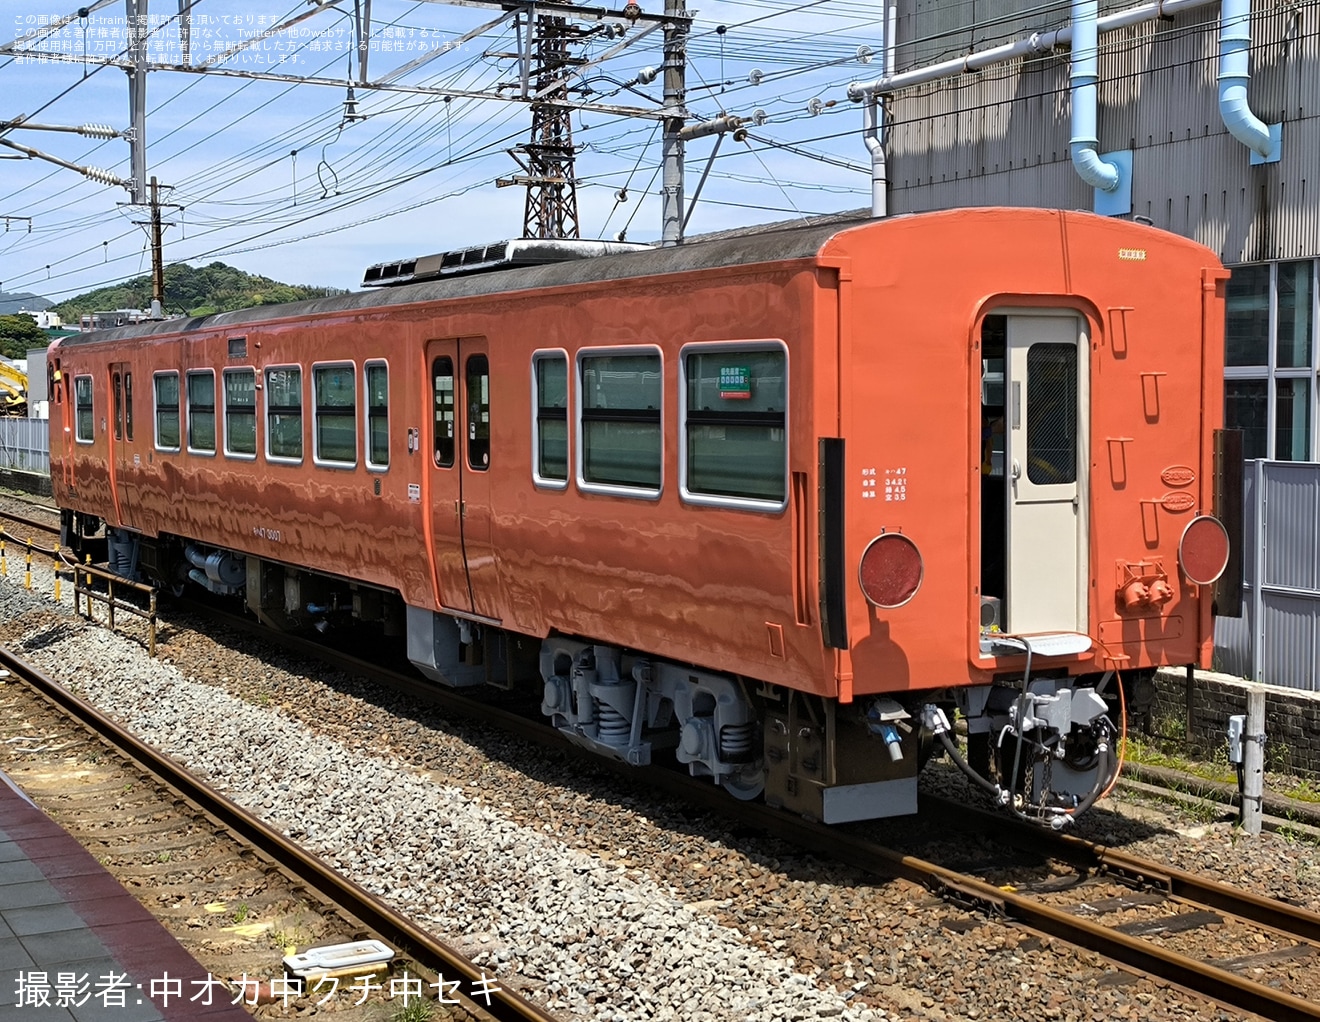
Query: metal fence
[[1277, 638], [25, 445]]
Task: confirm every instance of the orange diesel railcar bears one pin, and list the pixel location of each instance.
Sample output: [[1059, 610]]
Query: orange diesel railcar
[[779, 503]]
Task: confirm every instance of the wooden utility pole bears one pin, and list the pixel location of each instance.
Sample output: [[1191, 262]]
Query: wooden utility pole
[[1253, 761]]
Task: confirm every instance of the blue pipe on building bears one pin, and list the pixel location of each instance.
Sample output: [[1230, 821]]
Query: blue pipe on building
[[1234, 74], [1083, 75]]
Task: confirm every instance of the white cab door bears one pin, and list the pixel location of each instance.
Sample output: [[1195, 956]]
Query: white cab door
[[1046, 457]]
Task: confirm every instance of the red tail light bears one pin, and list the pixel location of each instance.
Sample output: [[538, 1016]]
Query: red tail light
[[1203, 550], [890, 571]]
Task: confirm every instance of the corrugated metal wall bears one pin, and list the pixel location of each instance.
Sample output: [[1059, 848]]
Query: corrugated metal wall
[[25, 445], [1000, 136], [1277, 639]]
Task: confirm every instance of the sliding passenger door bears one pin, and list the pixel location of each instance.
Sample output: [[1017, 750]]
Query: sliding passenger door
[[124, 458], [459, 477]]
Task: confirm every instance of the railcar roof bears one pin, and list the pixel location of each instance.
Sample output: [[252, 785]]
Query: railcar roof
[[731, 249]]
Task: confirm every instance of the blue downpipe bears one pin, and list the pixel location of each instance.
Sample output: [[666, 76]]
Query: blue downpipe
[[1082, 77]]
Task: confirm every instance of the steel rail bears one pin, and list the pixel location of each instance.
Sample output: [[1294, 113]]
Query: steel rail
[[1176, 883], [46, 527], [839, 845], [1195, 976], [419, 945]]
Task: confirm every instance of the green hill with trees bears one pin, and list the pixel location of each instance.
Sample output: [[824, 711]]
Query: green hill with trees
[[18, 334], [192, 291]]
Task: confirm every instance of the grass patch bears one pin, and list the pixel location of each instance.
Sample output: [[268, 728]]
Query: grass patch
[[1160, 754], [416, 1010]]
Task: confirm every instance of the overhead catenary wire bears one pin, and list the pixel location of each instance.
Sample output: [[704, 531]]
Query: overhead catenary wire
[[805, 50]]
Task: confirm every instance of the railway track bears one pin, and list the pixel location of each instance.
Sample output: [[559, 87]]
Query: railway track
[[1153, 908], [9, 521], [263, 862]]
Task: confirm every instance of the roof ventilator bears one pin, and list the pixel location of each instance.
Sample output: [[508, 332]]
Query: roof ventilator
[[500, 255]]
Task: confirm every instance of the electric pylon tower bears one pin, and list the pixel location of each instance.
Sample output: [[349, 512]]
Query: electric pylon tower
[[551, 210]]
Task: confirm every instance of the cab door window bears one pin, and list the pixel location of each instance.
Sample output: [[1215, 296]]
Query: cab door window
[[478, 420], [117, 389], [442, 391], [128, 405]]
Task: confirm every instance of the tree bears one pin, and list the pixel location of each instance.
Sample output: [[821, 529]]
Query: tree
[[18, 334]]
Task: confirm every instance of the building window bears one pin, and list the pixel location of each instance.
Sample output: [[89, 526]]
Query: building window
[[201, 412], [167, 411], [735, 405], [241, 413], [335, 391], [284, 432], [620, 422], [377, 385], [82, 403], [550, 422], [1271, 359]]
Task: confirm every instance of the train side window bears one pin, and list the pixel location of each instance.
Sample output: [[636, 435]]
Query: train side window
[[117, 389], [82, 405], [241, 413], [128, 405], [284, 431], [201, 411], [619, 401], [734, 411], [550, 419], [334, 437], [478, 419], [442, 377], [376, 383], [166, 386]]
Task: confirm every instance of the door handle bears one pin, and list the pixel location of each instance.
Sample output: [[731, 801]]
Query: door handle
[[1017, 469]]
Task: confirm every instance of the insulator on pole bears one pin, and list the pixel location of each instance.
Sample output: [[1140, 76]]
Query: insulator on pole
[[105, 177], [98, 131]]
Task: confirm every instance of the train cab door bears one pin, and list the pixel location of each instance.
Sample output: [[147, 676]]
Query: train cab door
[[125, 458], [460, 491], [1046, 459]]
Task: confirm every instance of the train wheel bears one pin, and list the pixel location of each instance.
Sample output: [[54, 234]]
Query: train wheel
[[745, 785]]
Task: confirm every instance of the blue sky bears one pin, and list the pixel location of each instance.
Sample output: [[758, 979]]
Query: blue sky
[[272, 179]]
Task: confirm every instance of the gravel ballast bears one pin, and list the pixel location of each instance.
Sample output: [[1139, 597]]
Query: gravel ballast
[[602, 903]]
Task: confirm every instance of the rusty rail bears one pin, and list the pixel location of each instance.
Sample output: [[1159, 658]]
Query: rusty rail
[[475, 993]]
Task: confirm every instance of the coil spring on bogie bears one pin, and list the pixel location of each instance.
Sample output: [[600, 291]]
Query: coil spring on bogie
[[612, 726], [736, 742]]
